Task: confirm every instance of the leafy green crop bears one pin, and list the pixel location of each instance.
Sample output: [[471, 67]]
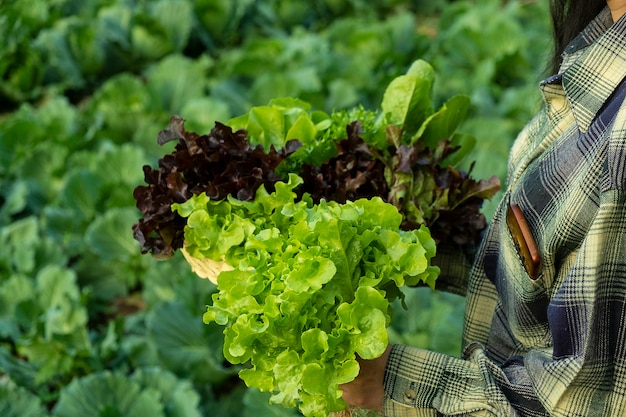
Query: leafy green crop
[[18, 402], [310, 289], [286, 119], [306, 270], [221, 163], [148, 392], [407, 161], [86, 86]]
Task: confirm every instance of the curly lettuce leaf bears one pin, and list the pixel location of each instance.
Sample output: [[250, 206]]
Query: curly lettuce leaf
[[310, 288], [403, 153], [285, 119], [219, 164]]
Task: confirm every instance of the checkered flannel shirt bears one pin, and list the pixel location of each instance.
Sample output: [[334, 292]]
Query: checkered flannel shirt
[[554, 345]]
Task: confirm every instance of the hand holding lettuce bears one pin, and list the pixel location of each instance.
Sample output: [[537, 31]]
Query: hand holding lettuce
[[313, 223]]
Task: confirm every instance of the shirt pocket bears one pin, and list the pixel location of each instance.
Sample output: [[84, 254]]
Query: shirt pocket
[[523, 240], [515, 267], [523, 293]]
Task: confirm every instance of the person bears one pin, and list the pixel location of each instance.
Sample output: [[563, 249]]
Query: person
[[545, 321]]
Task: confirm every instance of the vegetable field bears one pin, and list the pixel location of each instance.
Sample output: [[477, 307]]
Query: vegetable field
[[90, 326]]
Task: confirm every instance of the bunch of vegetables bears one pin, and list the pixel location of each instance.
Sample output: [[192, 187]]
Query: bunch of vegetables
[[310, 224]]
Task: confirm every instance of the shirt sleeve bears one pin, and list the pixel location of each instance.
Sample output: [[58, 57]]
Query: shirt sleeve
[[454, 262], [424, 383], [583, 373]]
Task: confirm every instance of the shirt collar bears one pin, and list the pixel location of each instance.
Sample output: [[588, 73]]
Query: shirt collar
[[594, 64]]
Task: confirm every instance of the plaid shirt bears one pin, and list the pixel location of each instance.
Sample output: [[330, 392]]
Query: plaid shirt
[[553, 344]]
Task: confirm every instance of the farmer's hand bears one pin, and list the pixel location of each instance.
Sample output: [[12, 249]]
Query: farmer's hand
[[367, 391]]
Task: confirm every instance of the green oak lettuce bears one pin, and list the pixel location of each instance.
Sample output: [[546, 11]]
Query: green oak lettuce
[[310, 286]]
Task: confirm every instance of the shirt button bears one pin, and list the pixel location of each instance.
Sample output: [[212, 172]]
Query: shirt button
[[409, 396]]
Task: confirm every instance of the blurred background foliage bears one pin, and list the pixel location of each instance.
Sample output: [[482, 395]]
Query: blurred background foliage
[[88, 325]]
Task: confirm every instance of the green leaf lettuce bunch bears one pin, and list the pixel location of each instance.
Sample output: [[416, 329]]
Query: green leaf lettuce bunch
[[310, 288]]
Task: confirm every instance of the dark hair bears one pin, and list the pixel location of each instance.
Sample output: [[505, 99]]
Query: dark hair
[[569, 18]]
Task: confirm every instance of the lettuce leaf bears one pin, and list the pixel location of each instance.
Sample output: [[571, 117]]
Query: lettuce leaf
[[405, 153], [221, 163], [147, 392], [17, 401], [310, 288], [319, 221]]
